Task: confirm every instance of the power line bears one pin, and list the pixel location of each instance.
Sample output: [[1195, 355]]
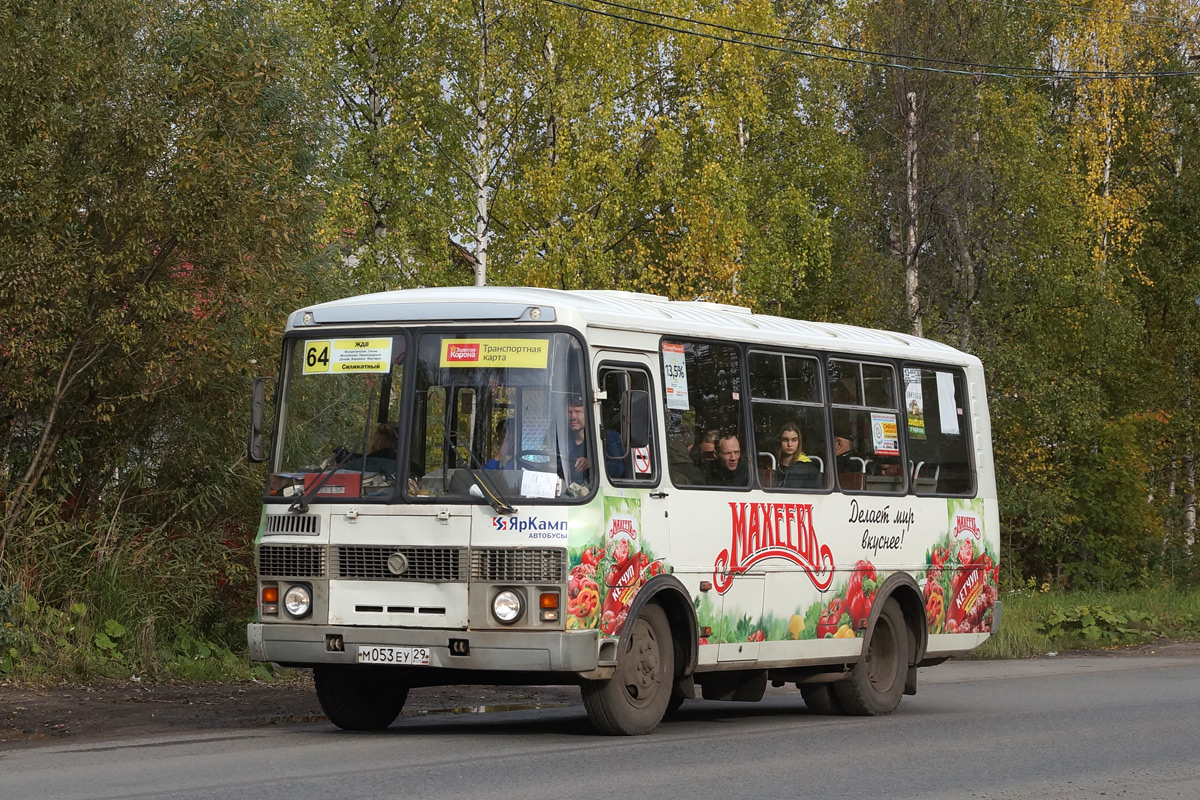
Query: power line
[[1083, 12], [975, 70]]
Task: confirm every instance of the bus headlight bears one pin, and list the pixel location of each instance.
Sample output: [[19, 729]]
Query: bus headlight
[[507, 607], [298, 601]]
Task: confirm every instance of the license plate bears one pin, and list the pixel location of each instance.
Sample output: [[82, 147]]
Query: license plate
[[393, 655]]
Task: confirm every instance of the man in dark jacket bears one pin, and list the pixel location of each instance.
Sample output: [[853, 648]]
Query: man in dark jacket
[[730, 468]]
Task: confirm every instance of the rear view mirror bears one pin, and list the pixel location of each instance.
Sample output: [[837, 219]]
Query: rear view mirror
[[637, 417], [258, 400]]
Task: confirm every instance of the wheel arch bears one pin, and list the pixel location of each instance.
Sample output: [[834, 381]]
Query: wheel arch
[[669, 593], [901, 587]]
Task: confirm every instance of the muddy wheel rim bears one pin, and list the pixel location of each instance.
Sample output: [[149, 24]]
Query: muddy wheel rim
[[641, 665], [881, 656]]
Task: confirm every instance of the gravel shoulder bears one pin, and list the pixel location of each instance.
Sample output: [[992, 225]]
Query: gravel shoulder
[[105, 710]]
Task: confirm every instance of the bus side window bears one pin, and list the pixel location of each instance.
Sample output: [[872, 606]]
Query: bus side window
[[702, 392], [939, 453], [866, 416], [624, 463]]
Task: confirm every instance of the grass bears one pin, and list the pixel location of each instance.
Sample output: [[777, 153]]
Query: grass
[[1038, 622]]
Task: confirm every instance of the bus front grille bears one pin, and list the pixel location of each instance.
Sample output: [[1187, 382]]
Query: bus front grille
[[309, 524], [291, 560], [507, 565], [436, 564]]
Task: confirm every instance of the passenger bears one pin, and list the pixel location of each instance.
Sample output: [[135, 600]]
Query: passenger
[[683, 469], [383, 441], [579, 468], [842, 448], [729, 468], [705, 452], [793, 468], [504, 451]]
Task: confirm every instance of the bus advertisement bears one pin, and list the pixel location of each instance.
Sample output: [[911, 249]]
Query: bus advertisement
[[654, 500]]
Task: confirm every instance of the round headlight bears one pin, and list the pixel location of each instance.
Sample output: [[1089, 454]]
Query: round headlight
[[507, 607], [298, 601]]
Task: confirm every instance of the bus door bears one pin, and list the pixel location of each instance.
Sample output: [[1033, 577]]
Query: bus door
[[634, 510]]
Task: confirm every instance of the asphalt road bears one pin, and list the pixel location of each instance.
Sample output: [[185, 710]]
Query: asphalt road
[[1081, 727]]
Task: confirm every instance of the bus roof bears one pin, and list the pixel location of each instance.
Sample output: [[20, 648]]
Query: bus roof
[[615, 311]]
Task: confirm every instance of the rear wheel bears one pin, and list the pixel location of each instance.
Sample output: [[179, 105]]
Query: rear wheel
[[821, 698], [633, 701], [877, 680], [359, 698]]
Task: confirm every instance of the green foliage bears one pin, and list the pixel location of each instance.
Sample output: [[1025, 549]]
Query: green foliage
[[1037, 620]]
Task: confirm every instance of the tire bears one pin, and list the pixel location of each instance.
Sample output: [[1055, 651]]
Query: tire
[[675, 703], [634, 700], [821, 699], [359, 698], [877, 681]]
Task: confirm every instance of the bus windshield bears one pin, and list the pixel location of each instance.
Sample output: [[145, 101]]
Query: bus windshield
[[500, 407], [340, 413]]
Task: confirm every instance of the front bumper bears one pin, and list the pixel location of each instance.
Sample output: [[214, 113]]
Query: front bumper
[[504, 650]]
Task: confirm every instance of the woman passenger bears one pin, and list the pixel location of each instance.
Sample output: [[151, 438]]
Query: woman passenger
[[793, 468]]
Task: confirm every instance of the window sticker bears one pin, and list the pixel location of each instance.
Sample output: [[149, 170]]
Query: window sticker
[[334, 356], [914, 403], [883, 434], [946, 404], [641, 461], [675, 369], [509, 353]]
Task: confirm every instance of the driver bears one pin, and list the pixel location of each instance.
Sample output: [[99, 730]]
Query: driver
[[579, 467]]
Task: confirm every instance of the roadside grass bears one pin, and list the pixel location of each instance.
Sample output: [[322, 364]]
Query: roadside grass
[[1037, 622]]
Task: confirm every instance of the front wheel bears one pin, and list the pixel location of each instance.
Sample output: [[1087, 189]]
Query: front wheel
[[877, 681], [359, 698], [633, 701]]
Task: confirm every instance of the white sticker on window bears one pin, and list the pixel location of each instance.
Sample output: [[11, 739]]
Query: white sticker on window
[[884, 437], [538, 484], [946, 406], [675, 369], [914, 403]]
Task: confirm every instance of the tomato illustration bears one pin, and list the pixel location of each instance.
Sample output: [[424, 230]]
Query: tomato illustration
[[860, 593], [828, 622]]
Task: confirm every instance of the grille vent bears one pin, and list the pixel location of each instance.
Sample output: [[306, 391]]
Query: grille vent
[[441, 564], [293, 523], [291, 560], [506, 565]]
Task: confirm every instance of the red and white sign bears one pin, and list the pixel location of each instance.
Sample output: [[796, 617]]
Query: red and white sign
[[773, 530], [462, 352], [641, 460]]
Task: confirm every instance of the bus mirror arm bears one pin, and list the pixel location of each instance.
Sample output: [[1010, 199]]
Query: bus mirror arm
[[258, 400]]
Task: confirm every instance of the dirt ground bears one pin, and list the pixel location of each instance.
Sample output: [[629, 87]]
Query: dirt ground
[[33, 715], [105, 710]]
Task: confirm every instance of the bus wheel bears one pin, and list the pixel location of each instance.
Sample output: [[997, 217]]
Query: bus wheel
[[821, 698], [877, 680], [633, 701], [359, 698]]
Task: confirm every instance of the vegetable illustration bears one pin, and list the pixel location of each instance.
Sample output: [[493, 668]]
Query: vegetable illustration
[[860, 593]]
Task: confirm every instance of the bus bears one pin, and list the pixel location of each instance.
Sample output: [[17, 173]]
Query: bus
[[654, 500]]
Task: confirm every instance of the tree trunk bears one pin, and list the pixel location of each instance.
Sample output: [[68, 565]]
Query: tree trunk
[[910, 236], [482, 161]]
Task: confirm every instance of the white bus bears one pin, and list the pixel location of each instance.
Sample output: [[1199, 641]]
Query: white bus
[[652, 499]]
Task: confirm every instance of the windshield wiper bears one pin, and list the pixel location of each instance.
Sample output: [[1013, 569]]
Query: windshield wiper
[[340, 456], [490, 493]]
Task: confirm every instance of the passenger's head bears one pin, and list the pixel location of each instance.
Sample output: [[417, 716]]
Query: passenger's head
[[575, 415], [708, 445], [383, 438], [841, 445], [789, 441], [729, 452], [503, 440]]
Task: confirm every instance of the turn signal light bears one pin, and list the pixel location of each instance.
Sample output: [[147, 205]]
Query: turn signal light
[[548, 600], [270, 594]]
